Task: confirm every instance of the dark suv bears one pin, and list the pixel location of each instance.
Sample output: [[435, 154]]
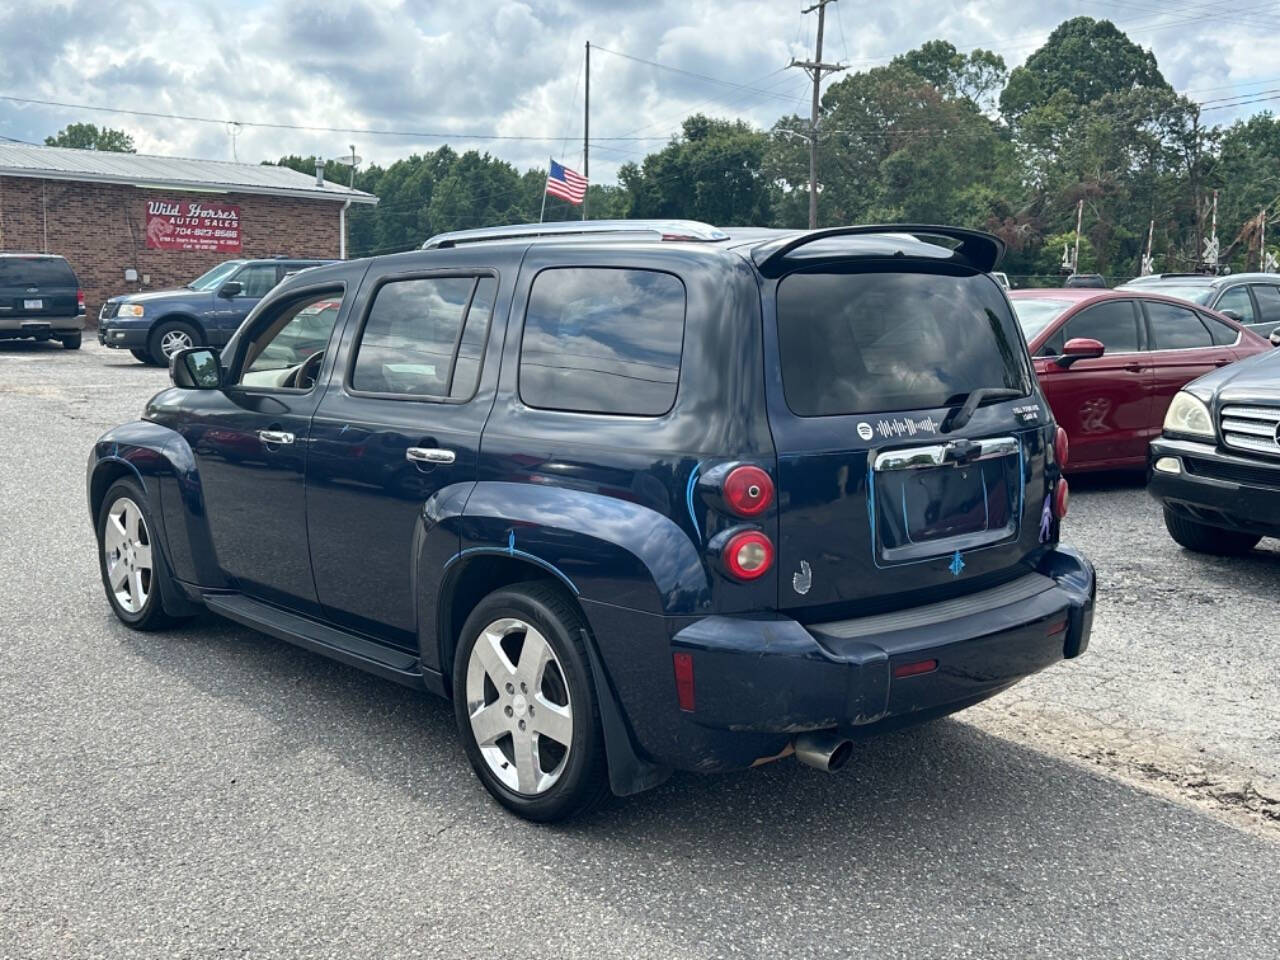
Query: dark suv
[[207, 311], [40, 299], [634, 495]]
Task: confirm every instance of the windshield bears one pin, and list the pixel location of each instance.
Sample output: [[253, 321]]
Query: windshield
[[1195, 292], [213, 278], [882, 341], [1035, 315]]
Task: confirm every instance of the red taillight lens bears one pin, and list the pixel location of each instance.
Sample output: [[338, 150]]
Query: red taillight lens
[[748, 555], [1061, 448], [683, 664], [80, 300], [748, 491], [1060, 497], [915, 669]]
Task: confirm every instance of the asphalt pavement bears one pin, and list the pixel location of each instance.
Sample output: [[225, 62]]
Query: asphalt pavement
[[210, 791]]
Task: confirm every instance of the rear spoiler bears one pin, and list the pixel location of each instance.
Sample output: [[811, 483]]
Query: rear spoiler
[[982, 251]]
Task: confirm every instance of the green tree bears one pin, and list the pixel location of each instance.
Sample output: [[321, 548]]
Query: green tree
[[712, 172], [86, 136], [978, 76]]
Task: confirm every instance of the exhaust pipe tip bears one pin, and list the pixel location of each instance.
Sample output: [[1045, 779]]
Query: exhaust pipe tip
[[823, 750]]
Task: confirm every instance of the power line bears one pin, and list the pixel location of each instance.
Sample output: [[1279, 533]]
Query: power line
[[699, 76]]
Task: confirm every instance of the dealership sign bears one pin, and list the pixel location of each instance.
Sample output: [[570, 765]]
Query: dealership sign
[[193, 225]]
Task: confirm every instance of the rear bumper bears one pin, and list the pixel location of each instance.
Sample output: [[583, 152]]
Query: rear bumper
[[1215, 488], [12, 328], [759, 681]]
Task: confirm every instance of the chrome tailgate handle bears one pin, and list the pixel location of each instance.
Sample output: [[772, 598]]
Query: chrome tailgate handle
[[275, 436], [430, 455], [940, 454]]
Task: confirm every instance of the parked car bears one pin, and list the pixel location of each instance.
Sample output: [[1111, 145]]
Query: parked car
[[1110, 361], [40, 299], [1096, 280], [1252, 299], [695, 501], [155, 325], [1216, 466]]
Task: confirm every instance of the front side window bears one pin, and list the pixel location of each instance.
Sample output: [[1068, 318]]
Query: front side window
[[415, 332], [603, 340], [212, 279], [1237, 300], [256, 280], [1176, 328], [902, 340], [287, 351], [1113, 324]]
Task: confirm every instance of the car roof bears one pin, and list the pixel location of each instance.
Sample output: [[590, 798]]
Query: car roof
[[1062, 293], [33, 256]]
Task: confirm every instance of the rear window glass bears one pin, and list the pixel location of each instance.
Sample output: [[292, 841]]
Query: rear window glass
[[35, 272], [871, 342], [603, 340]]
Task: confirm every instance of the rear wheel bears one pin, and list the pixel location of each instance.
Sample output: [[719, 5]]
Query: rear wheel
[[170, 337], [71, 340], [130, 560], [526, 705], [1203, 538]]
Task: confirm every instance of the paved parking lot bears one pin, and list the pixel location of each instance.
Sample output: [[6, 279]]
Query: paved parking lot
[[211, 791]]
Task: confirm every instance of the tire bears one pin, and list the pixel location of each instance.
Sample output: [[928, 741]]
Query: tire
[[71, 340], [171, 336], [143, 356], [1203, 538], [137, 602], [564, 704]]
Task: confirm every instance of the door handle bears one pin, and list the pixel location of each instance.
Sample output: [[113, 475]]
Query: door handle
[[275, 436], [1221, 362], [430, 455], [1133, 367]]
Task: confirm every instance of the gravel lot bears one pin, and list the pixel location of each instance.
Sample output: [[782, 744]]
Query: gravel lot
[[212, 791]]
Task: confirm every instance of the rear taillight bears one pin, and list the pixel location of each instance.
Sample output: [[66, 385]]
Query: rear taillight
[[748, 491], [1060, 448], [1060, 497], [748, 555], [80, 301]]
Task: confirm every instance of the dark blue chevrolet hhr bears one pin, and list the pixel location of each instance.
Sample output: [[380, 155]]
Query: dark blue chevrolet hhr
[[636, 496]]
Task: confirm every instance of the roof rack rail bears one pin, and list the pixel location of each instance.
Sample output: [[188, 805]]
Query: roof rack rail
[[983, 250], [582, 229]]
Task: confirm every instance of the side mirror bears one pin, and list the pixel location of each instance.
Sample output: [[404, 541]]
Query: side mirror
[[1080, 348], [1235, 315], [230, 289], [196, 368]]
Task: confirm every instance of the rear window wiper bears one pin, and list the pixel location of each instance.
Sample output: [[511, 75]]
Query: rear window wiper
[[958, 418]]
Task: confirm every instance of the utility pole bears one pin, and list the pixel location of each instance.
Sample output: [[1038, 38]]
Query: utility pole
[[586, 129], [1075, 260], [815, 68]]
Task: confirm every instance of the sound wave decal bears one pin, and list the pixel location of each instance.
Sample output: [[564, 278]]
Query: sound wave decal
[[906, 427]]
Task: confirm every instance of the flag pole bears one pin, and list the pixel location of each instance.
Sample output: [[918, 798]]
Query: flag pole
[[544, 194]]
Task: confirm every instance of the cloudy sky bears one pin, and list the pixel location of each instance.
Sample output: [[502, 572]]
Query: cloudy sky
[[493, 68]]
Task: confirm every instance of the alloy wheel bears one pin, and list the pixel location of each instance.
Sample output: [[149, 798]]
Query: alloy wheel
[[518, 705], [175, 340], [126, 543]]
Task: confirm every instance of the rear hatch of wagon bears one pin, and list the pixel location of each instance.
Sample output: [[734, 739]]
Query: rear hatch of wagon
[[37, 289], [886, 498]]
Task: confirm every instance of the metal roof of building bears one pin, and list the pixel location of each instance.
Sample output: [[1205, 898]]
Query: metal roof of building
[[174, 173]]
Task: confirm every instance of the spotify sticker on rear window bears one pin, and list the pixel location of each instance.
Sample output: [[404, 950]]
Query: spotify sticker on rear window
[[865, 431]]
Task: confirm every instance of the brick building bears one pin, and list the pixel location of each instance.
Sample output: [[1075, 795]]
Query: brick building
[[129, 222]]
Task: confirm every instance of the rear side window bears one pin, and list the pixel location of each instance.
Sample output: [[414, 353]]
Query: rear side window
[[1268, 303], [415, 332], [1176, 328], [1223, 335], [871, 342], [36, 272], [603, 340], [1113, 324]]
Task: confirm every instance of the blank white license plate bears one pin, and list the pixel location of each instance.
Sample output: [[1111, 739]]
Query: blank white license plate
[[32, 304]]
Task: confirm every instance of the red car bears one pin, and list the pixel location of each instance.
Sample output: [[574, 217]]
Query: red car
[[1110, 362]]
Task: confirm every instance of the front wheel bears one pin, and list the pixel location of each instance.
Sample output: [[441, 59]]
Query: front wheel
[[526, 705], [1203, 538], [170, 337], [129, 558], [144, 356]]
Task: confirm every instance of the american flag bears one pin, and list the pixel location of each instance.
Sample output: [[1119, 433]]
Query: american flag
[[566, 184]]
